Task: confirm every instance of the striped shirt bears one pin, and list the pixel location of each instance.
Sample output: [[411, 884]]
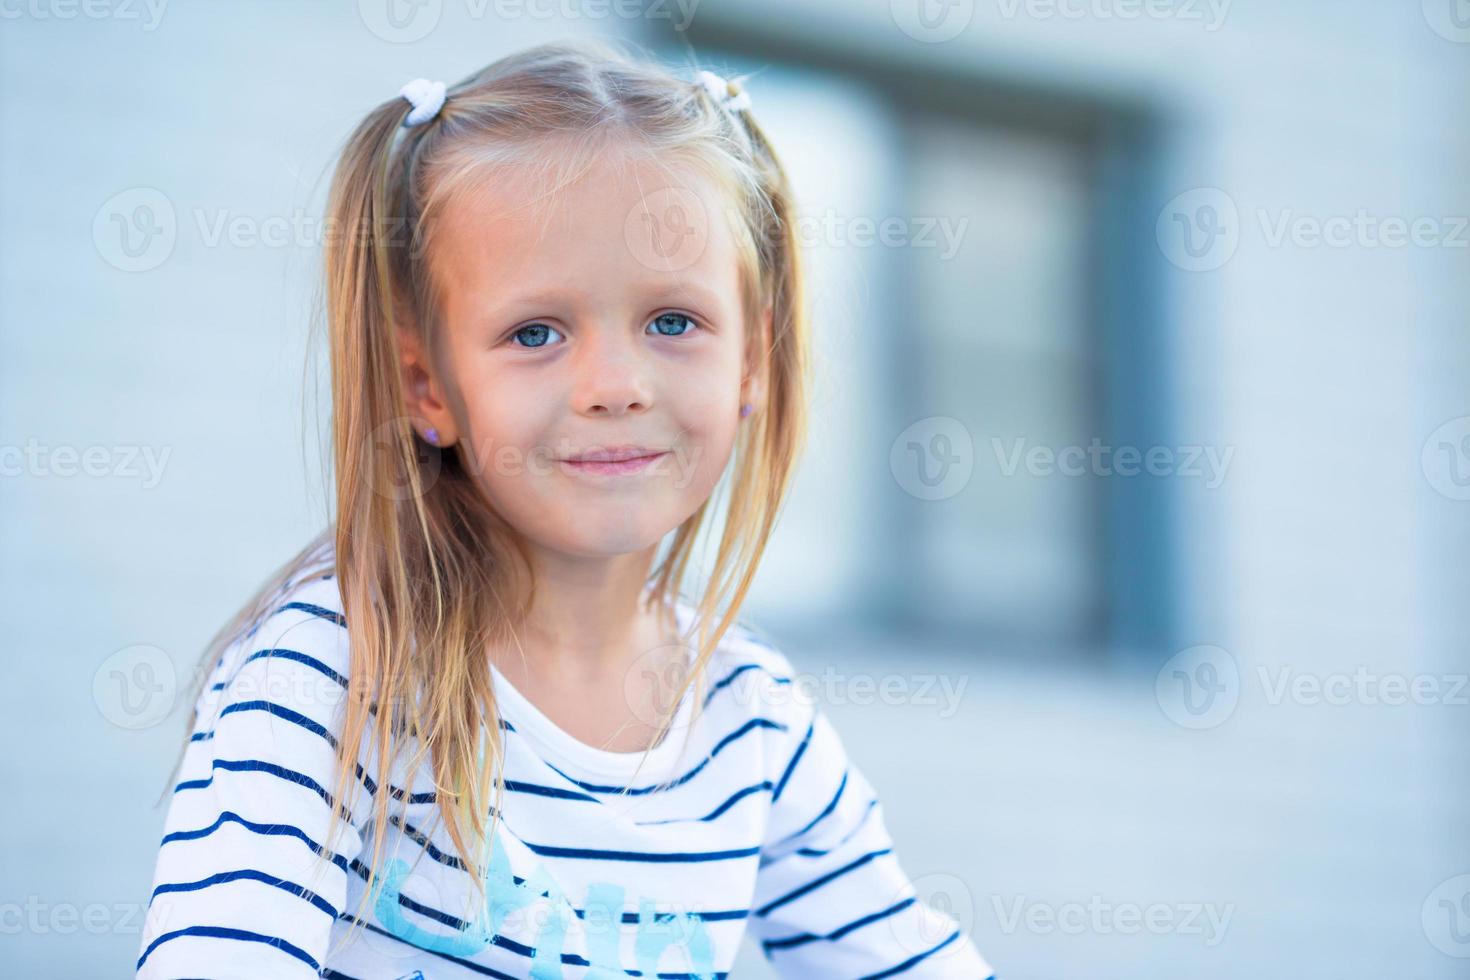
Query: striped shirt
[[765, 825]]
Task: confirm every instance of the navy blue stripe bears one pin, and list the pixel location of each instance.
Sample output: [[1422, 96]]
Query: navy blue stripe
[[819, 817], [728, 678], [819, 882], [555, 792], [246, 874], [299, 657], [717, 811], [317, 611], [265, 829], [422, 839], [222, 932], [792, 941], [428, 796], [255, 765], [511, 785], [648, 857], [749, 726], [862, 822], [914, 959], [800, 749], [270, 707], [285, 654]]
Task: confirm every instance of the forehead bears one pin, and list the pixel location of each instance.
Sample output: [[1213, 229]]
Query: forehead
[[626, 225]]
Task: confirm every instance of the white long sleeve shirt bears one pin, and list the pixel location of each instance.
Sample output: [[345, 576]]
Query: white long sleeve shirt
[[767, 826]]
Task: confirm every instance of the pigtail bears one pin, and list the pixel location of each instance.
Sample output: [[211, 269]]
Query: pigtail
[[410, 558]]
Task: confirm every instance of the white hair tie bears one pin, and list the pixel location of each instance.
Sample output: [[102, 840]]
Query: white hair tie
[[727, 93], [427, 97]]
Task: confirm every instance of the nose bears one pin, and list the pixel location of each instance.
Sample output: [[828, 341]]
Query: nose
[[612, 375]]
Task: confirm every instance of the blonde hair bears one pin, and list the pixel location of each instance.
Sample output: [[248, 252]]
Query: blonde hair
[[428, 574]]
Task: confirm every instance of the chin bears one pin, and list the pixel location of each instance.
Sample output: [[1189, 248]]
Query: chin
[[612, 545], [609, 534]]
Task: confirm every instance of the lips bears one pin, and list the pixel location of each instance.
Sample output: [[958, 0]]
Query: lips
[[613, 461], [613, 454]]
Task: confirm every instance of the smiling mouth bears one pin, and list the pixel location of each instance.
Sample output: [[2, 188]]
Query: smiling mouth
[[614, 462]]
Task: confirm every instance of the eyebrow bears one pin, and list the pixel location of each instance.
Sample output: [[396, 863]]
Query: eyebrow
[[696, 294]]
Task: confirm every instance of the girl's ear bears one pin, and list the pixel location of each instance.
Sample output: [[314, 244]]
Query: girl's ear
[[423, 396], [757, 358]]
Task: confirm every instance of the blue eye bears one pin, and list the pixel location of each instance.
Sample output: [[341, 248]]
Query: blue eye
[[671, 320], [534, 335]]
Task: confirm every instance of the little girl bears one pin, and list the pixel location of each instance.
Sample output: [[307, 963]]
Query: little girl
[[562, 296]]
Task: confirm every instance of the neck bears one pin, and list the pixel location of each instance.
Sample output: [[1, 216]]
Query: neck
[[588, 618]]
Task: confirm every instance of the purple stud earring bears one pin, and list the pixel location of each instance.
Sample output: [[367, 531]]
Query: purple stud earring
[[433, 436], [745, 409]]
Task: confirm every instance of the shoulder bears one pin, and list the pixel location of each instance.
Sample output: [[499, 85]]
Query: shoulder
[[305, 613], [751, 673], [295, 654], [746, 646]]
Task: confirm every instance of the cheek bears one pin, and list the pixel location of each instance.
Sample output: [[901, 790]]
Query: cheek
[[705, 409], [507, 419]]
